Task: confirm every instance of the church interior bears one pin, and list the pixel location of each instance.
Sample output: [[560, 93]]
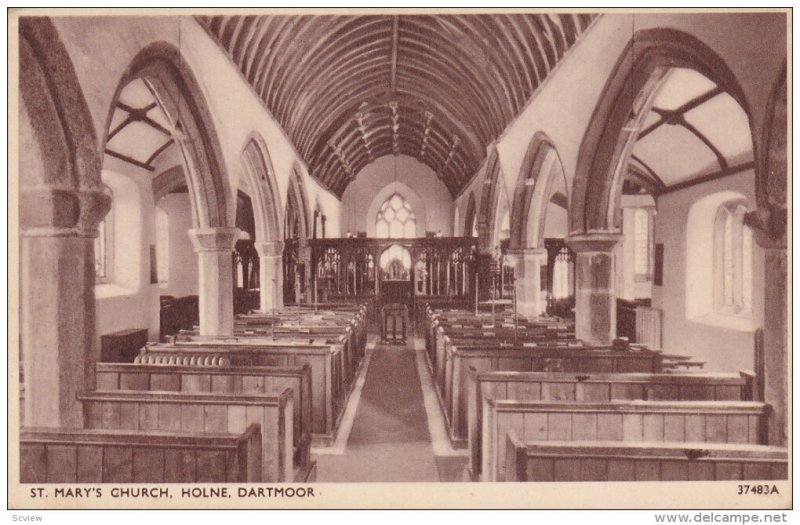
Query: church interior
[[403, 247]]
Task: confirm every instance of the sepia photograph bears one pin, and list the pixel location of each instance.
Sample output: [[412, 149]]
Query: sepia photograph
[[399, 258]]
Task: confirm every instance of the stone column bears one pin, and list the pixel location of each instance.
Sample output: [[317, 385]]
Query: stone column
[[484, 265], [270, 274], [769, 228], [57, 304], [304, 281], [528, 264], [776, 388], [214, 271], [595, 294]]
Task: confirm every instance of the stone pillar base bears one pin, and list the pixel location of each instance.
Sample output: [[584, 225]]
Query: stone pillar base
[[528, 264], [214, 247], [595, 294]]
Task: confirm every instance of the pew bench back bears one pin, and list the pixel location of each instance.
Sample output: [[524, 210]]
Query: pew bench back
[[610, 461], [202, 413], [328, 387], [652, 421], [121, 456], [223, 380]]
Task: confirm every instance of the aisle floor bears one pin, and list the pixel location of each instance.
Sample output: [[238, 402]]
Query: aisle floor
[[390, 439]]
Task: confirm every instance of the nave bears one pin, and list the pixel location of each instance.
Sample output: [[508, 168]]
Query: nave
[[396, 247]]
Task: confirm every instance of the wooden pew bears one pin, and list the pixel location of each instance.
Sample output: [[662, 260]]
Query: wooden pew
[[594, 388], [445, 344], [352, 354], [119, 456], [440, 329], [225, 380], [610, 461], [453, 381], [328, 392], [202, 413], [658, 421]]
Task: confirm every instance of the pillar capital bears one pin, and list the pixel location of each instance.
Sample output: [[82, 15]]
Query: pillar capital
[[269, 248], [598, 242], [47, 211], [769, 227], [214, 239]]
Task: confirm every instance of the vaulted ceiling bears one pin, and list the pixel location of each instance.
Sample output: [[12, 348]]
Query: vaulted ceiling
[[351, 89], [693, 130]]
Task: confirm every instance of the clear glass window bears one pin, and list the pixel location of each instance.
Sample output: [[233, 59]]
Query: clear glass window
[[396, 219]]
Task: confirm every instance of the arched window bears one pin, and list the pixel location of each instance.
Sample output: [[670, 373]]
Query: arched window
[[733, 258], [396, 219], [162, 245], [104, 245]]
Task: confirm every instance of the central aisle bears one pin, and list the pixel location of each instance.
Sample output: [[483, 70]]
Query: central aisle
[[390, 440]]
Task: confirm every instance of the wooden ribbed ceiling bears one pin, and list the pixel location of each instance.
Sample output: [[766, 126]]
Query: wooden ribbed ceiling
[[351, 89]]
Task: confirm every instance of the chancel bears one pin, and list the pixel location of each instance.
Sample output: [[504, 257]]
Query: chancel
[[402, 247]]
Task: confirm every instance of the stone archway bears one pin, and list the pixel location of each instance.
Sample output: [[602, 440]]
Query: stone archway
[[538, 175], [604, 150], [180, 97], [469, 217], [61, 204], [540, 171], [603, 157], [260, 182], [487, 210]]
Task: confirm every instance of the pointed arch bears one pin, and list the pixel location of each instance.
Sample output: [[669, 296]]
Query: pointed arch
[[61, 203], [604, 150], [168, 181], [489, 199], [60, 123], [161, 66], [296, 215], [262, 186], [469, 217], [409, 194], [541, 169], [772, 171]]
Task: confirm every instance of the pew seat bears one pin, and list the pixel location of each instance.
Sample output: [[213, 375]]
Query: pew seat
[[122, 456], [572, 387], [742, 422], [614, 461], [329, 390], [203, 413], [225, 380]]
